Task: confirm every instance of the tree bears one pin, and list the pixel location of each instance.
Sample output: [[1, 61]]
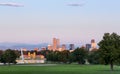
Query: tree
[[63, 56], [45, 52], [9, 56], [94, 57], [52, 56], [17, 52], [80, 55], [109, 48], [71, 58], [1, 52], [59, 56]]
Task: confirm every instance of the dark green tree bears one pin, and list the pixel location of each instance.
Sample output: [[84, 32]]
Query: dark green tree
[[1, 52], [80, 55], [59, 56], [17, 52], [45, 52], [52, 56], [63, 56], [9, 56], [94, 57], [71, 58], [109, 48]]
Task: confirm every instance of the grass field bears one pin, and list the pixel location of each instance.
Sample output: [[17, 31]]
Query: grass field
[[58, 69]]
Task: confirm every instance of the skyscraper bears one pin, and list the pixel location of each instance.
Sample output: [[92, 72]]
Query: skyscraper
[[88, 46], [93, 44], [56, 43]]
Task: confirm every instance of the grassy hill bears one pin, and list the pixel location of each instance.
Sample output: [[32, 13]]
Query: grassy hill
[[58, 69]]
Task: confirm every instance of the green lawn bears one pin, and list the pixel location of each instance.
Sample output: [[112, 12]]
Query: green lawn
[[58, 69]]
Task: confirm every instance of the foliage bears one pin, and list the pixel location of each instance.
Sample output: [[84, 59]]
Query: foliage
[[63, 56], [17, 52], [1, 52], [80, 55], [110, 48], [53, 56], [9, 56], [45, 52], [57, 56], [71, 58], [94, 57]]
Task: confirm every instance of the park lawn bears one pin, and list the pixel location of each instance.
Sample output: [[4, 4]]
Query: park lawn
[[59, 69]]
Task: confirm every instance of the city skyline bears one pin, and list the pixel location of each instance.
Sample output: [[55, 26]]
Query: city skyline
[[54, 45], [72, 21]]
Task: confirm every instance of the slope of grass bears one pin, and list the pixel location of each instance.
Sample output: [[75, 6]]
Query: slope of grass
[[59, 69]]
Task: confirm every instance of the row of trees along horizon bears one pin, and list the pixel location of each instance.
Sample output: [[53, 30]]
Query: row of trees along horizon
[[107, 54]]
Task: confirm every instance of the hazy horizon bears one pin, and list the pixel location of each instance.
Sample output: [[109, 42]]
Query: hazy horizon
[[72, 21]]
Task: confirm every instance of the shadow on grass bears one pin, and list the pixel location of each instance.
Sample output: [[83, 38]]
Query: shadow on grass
[[109, 70]]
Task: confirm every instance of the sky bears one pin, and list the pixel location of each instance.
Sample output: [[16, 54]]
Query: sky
[[38, 21]]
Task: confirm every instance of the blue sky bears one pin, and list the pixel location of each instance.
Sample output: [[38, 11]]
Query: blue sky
[[41, 20]]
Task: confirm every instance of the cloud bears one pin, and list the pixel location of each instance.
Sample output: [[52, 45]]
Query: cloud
[[11, 4], [75, 4]]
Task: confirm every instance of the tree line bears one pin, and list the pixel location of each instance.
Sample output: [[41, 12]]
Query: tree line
[[9, 56]]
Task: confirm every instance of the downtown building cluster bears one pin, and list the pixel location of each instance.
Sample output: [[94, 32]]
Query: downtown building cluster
[[56, 46]]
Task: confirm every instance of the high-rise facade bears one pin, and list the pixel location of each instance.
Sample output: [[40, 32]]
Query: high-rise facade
[[88, 46], [93, 45], [56, 43]]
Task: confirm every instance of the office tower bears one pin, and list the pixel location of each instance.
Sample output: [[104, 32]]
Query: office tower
[[88, 46], [93, 44], [63, 47], [56, 43], [72, 47]]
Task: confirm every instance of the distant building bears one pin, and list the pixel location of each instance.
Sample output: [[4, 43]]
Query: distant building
[[36, 49], [60, 49], [93, 45], [50, 47], [71, 47], [63, 47], [88, 46], [56, 44], [82, 46], [43, 48], [24, 49]]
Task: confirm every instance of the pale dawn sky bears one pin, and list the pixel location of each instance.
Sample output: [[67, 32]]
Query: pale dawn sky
[[72, 21]]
